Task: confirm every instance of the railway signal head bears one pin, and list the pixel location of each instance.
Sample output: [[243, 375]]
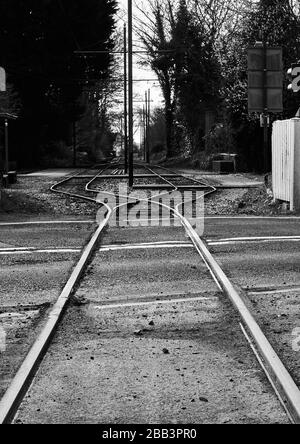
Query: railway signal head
[[294, 77]]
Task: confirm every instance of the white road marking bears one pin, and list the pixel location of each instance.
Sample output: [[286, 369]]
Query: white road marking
[[220, 242], [47, 222], [274, 291], [164, 302], [142, 244], [146, 246], [256, 238], [90, 221], [253, 217], [238, 240], [151, 245], [18, 251], [2, 340]]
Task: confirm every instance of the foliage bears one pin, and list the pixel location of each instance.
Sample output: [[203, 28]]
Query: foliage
[[154, 27], [198, 74], [157, 133], [10, 101], [278, 23], [203, 65], [220, 139], [182, 54], [37, 44], [280, 26]]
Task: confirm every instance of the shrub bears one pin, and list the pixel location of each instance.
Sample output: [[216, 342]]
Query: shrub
[[220, 139]]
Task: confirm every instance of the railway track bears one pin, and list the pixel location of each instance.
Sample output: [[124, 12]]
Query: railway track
[[218, 285]]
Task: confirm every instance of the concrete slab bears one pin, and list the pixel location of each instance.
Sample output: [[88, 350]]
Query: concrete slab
[[53, 173]]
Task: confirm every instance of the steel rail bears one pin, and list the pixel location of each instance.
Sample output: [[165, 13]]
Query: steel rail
[[15, 392], [202, 184], [279, 377], [164, 179], [169, 187], [126, 176], [276, 371], [285, 387], [185, 177], [68, 179]]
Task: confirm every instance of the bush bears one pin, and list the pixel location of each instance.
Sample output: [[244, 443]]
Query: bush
[[158, 148], [220, 139], [56, 154], [158, 152]]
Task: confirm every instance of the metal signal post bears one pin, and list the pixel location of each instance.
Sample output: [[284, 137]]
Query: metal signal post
[[265, 92]]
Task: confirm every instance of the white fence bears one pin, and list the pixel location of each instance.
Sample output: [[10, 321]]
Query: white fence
[[286, 161]]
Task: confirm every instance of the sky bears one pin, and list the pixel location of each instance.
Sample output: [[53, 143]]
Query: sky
[[140, 73]]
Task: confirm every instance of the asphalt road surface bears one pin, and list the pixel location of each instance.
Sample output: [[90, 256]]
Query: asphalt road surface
[[31, 282], [178, 355]]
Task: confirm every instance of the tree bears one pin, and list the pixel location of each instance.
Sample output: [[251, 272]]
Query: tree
[[9, 104], [278, 22], [37, 44], [154, 27], [198, 74], [10, 101], [198, 49], [157, 134], [182, 54]]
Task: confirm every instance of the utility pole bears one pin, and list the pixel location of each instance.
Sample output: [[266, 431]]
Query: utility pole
[[74, 144], [148, 124], [130, 92], [125, 102], [146, 128], [265, 69], [265, 105], [144, 131], [141, 133], [6, 146], [121, 131]]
